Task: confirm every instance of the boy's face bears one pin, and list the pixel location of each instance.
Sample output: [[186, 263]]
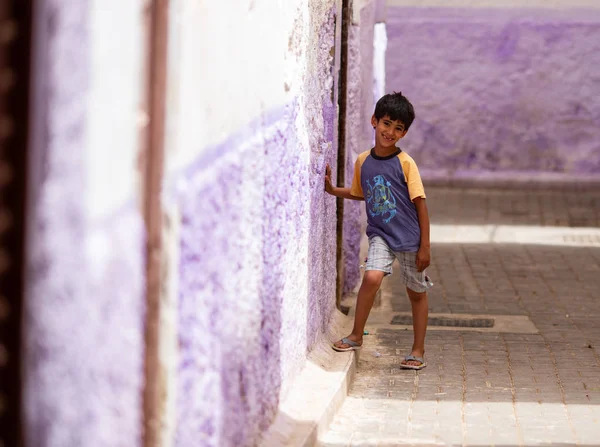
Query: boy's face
[[387, 131]]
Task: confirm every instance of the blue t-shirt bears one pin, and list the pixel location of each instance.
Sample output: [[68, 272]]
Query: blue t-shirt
[[389, 185]]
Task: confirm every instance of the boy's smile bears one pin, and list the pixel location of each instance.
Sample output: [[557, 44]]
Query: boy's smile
[[387, 133]]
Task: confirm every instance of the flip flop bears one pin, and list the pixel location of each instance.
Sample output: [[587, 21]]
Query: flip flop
[[421, 360], [353, 346]]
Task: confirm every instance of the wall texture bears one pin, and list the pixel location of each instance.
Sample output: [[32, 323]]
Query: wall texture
[[249, 268], [84, 309], [555, 4], [365, 85], [257, 288], [503, 89]]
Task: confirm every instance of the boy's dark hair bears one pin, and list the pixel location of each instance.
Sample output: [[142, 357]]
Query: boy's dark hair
[[397, 107]]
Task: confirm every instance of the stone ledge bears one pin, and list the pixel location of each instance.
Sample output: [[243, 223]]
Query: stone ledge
[[317, 392]]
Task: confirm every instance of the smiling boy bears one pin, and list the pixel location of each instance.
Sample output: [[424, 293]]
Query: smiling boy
[[388, 180]]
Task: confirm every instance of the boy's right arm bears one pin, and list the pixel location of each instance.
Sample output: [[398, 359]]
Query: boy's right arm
[[343, 193]]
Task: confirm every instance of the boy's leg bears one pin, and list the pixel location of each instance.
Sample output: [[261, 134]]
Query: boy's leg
[[417, 284], [364, 302], [420, 312]]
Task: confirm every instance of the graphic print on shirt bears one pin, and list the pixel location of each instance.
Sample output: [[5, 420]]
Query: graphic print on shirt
[[381, 201]]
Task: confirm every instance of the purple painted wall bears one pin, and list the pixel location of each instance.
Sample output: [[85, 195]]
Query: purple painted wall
[[499, 90], [84, 311], [232, 288], [354, 139], [257, 262], [359, 131], [256, 268]]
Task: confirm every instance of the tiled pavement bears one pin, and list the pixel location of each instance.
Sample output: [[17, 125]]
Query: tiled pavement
[[516, 207], [502, 389]]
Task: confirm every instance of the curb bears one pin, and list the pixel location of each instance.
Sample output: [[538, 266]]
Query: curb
[[511, 180], [316, 394]]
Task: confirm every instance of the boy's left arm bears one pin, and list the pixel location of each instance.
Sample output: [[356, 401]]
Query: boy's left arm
[[424, 253]]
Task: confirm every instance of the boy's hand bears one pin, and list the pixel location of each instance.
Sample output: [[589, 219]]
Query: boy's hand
[[328, 185], [423, 258]]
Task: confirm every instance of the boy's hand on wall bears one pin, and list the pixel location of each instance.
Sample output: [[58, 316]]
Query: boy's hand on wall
[[328, 185], [423, 258]]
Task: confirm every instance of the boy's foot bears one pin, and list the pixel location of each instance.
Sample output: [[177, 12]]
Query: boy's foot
[[413, 361], [347, 344]]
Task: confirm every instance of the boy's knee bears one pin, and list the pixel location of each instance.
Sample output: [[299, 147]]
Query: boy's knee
[[373, 278], [416, 296]]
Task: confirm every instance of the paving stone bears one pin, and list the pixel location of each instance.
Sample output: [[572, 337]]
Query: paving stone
[[503, 389]]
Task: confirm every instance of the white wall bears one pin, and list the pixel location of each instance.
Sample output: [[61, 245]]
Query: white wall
[[499, 3], [229, 61], [116, 83], [84, 306]]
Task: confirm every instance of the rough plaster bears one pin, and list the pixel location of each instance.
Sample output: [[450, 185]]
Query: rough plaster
[[354, 139], [376, 11], [249, 283], [83, 347], [367, 51], [379, 52], [551, 4], [258, 287], [362, 82], [245, 308], [251, 69], [515, 90]]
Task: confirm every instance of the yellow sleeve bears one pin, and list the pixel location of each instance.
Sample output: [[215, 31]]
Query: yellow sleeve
[[356, 188], [412, 177]]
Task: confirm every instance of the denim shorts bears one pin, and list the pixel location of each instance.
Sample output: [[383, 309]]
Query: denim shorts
[[381, 257]]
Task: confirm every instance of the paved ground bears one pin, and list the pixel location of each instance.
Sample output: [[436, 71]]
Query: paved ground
[[490, 388]]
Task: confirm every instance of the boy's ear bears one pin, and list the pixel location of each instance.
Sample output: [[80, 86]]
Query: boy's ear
[[374, 121]]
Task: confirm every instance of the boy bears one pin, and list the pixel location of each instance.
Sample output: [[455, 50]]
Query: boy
[[397, 222]]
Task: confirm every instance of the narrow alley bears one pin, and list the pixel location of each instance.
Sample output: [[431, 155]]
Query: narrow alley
[[178, 259], [531, 380]]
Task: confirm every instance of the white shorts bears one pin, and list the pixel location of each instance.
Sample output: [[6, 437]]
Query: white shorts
[[381, 257]]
